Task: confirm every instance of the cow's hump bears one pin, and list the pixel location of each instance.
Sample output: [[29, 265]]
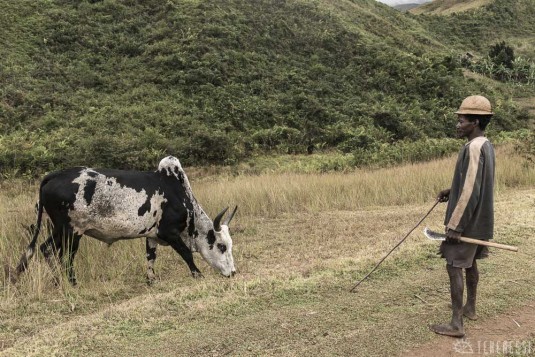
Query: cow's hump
[[170, 166]]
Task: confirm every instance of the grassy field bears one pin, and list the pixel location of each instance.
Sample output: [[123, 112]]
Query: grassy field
[[301, 242]]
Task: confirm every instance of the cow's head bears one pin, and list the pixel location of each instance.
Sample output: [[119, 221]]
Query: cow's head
[[218, 250]]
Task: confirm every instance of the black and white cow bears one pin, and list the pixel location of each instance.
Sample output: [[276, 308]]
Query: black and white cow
[[112, 205]]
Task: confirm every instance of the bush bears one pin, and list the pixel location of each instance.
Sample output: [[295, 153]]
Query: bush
[[502, 55], [280, 138], [214, 146]]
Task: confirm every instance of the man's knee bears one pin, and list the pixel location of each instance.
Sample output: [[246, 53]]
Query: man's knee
[[452, 270]]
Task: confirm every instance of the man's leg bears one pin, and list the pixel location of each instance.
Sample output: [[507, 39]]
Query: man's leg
[[455, 328], [472, 278]]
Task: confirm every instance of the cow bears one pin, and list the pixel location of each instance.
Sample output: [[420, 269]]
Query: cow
[[112, 205]]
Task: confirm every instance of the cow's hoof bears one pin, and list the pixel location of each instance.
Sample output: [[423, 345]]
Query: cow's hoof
[[197, 274], [10, 274], [151, 277]]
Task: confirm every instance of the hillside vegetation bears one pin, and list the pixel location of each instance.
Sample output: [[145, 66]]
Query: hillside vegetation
[[447, 7], [476, 25], [121, 83]]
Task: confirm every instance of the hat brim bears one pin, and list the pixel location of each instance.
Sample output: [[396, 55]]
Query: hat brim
[[474, 111]]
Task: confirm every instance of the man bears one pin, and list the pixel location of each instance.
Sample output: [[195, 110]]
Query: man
[[470, 211]]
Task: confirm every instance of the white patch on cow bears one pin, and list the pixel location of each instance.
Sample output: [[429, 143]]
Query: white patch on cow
[[224, 261], [112, 213]]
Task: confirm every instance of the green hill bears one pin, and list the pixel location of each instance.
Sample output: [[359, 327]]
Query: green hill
[[121, 83], [475, 25], [448, 7], [406, 7]]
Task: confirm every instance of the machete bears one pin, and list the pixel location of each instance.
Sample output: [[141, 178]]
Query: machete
[[441, 237]]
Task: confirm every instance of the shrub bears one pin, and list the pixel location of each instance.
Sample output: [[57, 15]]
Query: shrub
[[406, 152], [502, 55]]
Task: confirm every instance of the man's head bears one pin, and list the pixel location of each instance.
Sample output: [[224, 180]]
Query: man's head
[[475, 112]]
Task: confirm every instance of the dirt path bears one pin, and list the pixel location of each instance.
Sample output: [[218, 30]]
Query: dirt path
[[493, 336]]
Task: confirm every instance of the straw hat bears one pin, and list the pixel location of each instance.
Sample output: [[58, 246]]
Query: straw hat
[[475, 104]]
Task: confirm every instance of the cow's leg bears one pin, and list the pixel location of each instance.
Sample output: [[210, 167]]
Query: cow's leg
[[23, 262], [25, 258], [181, 248], [50, 249], [21, 266], [72, 244], [62, 241], [151, 246]]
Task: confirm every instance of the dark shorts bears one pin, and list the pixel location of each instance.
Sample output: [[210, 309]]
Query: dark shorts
[[462, 255]]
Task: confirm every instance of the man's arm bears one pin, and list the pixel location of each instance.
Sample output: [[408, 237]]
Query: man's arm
[[470, 191]]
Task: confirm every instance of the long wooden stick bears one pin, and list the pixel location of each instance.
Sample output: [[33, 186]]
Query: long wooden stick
[[397, 245], [441, 237], [489, 244]]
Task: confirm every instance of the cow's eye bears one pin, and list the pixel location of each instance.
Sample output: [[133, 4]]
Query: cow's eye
[[222, 247]]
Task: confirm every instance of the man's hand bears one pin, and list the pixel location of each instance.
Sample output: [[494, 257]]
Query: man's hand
[[453, 237], [444, 195]]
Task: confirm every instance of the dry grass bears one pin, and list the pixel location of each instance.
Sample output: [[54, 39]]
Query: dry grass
[[272, 194], [301, 241]]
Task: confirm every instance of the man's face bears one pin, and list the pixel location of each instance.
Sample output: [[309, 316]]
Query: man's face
[[464, 126]]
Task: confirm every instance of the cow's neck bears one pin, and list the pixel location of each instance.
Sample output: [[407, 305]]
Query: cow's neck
[[198, 223], [202, 224]]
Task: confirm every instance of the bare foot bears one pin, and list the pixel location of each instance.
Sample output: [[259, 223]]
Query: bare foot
[[469, 312], [447, 330]]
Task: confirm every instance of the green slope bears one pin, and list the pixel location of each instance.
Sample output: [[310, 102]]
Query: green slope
[[475, 25], [448, 7], [121, 83]]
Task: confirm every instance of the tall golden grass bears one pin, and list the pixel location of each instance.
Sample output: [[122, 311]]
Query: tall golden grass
[[268, 195], [272, 194]]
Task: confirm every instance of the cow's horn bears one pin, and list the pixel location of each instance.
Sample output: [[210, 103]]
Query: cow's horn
[[217, 220], [227, 221]]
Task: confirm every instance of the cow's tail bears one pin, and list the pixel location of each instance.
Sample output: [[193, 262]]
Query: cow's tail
[[30, 251]]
